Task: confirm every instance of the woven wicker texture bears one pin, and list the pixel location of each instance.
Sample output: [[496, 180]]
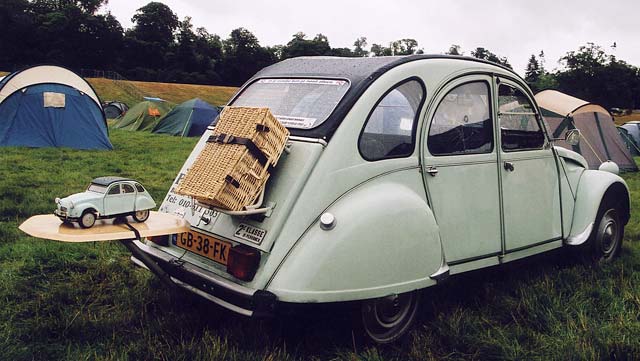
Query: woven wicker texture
[[206, 179]]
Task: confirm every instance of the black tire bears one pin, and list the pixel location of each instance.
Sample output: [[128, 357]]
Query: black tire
[[88, 219], [141, 216], [387, 319], [605, 241]]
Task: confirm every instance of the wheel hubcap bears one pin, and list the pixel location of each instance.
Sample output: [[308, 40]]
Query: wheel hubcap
[[385, 319], [609, 233]]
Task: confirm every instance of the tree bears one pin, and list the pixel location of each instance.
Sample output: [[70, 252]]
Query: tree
[[398, 47], [243, 57], [300, 46], [532, 72], [359, 47], [155, 23], [482, 53], [592, 75], [455, 50]]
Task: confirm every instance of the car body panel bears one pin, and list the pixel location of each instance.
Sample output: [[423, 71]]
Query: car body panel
[[591, 189], [394, 228]]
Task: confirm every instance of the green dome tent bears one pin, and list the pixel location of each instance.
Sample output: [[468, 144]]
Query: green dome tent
[[189, 119], [143, 116]]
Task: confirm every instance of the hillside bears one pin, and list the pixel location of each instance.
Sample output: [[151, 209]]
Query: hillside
[[174, 93]]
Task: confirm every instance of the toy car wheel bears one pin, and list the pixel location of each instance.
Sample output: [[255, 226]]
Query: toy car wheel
[[605, 240], [386, 319], [88, 219], [141, 216]]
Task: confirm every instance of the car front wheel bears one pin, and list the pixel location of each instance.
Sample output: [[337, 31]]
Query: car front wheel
[[606, 238], [88, 219], [141, 216], [385, 320]]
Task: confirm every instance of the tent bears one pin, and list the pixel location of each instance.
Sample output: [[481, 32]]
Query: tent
[[190, 119], [633, 128], [50, 106], [143, 116], [600, 140], [629, 141], [114, 109]]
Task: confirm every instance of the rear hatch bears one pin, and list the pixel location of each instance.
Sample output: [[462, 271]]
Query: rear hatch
[[258, 231], [300, 104]]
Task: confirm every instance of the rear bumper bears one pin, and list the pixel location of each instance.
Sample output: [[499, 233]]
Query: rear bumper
[[243, 300]]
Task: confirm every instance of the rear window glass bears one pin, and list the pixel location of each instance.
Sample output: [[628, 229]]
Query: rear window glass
[[296, 103]]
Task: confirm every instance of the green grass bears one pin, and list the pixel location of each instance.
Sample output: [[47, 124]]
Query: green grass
[[173, 93], [87, 301]]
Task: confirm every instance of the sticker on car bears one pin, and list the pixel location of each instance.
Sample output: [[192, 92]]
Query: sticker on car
[[250, 233]]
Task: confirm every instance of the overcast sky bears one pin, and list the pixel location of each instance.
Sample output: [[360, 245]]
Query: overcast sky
[[512, 28]]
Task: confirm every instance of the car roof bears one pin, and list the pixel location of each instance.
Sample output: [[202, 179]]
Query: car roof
[[105, 181], [360, 71]]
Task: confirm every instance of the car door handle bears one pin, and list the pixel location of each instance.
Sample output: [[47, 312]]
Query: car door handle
[[508, 166], [432, 171]]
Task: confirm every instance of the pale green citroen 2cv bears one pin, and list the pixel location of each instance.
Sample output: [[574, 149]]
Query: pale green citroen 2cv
[[399, 172]]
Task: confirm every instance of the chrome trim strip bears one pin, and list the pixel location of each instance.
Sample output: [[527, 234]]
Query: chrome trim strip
[[209, 276], [308, 140], [580, 238]]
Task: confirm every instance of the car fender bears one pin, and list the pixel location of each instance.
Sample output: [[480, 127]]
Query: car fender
[[385, 241], [144, 202], [79, 209], [593, 186]]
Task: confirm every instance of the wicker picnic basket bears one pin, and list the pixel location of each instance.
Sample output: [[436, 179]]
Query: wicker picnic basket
[[234, 165]]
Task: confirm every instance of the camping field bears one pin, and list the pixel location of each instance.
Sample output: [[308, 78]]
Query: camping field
[[88, 301], [171, 92]]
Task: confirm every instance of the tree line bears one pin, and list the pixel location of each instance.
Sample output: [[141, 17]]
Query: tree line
[[161, 47]]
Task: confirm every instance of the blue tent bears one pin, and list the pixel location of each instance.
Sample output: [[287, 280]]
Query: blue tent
[[189, 119], [49, 106]]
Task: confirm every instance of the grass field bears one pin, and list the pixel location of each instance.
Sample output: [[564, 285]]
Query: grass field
[[174, 93], [87, 301]]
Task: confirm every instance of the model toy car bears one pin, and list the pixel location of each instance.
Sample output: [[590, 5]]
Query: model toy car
[[400, 172], [106, 197]]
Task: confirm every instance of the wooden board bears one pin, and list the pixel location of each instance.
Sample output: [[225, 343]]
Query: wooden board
[[48, 226]]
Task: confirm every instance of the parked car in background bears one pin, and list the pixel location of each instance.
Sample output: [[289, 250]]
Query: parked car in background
[[106, 197], [401, 172]]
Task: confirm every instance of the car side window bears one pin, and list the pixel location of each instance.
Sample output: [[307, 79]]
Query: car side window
[[519, 127], [139, 187], [127, 188], [462, 122], [115, 189], [391, 127]]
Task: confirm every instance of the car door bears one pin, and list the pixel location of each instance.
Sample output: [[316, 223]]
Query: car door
[[460, 169], [119, 199], [528, 171]]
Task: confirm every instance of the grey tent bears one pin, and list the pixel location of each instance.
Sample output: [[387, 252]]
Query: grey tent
[[633, 128], [600, 139], [629, 141], [114, 109]]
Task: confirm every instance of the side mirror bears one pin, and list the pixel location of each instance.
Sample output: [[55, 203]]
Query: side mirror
[[572, 137]]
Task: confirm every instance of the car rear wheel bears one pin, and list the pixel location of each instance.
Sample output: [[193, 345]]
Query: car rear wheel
[[385, 320], [88, 219], [141, 216], [605, 240]]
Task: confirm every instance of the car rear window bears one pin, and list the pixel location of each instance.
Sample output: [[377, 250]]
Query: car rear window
[[296, 103]]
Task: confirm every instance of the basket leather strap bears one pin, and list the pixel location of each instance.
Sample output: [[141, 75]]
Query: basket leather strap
[[231, 139]]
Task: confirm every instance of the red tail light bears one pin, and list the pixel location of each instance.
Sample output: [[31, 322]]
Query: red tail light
[[160, 240], [243, 262]]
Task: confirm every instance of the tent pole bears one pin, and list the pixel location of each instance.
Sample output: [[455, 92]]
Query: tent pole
[[187, 123]]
